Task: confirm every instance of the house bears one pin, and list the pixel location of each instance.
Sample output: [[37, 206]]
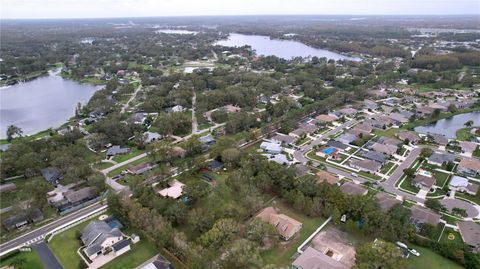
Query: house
[[353, 189], [51, 175], [338, 145], [440, 159], [117, 150], [398, 118], [366, 165], [206, 141], [469, 167], [301, 170], [231, 109], [324, 118], [467, 147], [389, 141], [278, 158], [314, 259], [215, 165], [324, 176], [462, 184], [151, 137], [369, 104], [80, 196], [176, 108], [328, 153], [286, 226], [157, 262], [284, 139], [374, 156], [348, 111], [308, 128], [137, 118], [409, 136], [297, 133], [422, 215], [425, 112], [438, 138], [386, 149], [140, 168], [346, 138], [174, 191], [470, 232], [386, 201], [15, 222], [272, 148], [98, 238], [8, 187], [121, 247], [423, 180]]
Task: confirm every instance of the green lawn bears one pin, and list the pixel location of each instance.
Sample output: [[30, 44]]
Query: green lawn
[[139, 253], [387, 167], [463, 134], [407, 185], [134, 152], [102, 165], [429, 259], [13, 197], [457, 237], [282, 253], [441, 178], [65, 245], [32, 261], [476, 153]]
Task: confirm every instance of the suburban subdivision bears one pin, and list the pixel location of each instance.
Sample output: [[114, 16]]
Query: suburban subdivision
[[299, 142]]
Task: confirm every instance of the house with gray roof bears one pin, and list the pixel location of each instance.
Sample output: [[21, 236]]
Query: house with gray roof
[[462, 184], [438, 138], [346, 138], [151, 137], [98, 238], [366, 165], [374, 156], [412, 137], [440, 159], [338, 145], [353, 189], [116, 150], [422, 215], [284, 139], [52, 175], [386, 201]]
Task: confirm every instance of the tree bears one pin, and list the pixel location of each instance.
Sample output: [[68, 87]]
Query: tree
[[378, 255], [452, 108], [434, 204], [426, 152], [18, 263], [242, 254], [12, 131], [231, 156], [257, 230], [468, 124], [409, 172]]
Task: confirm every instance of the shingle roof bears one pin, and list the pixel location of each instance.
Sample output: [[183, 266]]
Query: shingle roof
[[441, 157], [314, 259], [470, 232], [386, 201], [96, 231], [77, 196], [121, 244], [470, 164], [352, 188], [424, 215]]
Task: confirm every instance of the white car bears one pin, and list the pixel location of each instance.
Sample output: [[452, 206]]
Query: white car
[[354, 175], [414, 252], [402, 245]]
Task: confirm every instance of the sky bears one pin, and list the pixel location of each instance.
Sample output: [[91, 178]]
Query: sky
[[10, 9]]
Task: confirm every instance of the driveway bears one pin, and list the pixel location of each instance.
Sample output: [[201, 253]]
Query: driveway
[[472, 211], [46, 256]]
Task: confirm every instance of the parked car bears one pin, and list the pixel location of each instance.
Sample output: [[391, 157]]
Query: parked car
[[402, 245], [414, 252]]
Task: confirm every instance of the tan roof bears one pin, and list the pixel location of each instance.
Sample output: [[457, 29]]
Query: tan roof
[[174, 191], [472, 164], [325, 118], [387, 149], [408, 135], [424, 180], [470, 232], [424, 215], [231, 109], [285, 225], [314, 259], [324, 176]]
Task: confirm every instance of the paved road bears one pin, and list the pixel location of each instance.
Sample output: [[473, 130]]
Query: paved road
[[194, 117], [449, 204], [46, 256], [37, 234]]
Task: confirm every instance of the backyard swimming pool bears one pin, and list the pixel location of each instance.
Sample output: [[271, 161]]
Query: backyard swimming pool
[[328, 151]]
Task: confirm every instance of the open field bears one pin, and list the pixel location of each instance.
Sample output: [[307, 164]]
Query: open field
[[64, 246], [429, 259], [32, 261]]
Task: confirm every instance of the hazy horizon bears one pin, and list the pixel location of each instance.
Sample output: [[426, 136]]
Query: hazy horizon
[[84, 9]]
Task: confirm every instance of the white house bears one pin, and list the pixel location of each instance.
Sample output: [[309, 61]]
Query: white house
[[272, 148], [461, 184], [98, 238]]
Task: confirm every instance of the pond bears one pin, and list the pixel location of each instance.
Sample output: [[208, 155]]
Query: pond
[[45, 102], [178, 32], [286, 49], [449, 126]]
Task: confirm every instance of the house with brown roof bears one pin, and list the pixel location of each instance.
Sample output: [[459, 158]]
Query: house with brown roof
[[386, 201], [386, 149], [231, 109], [423, 182], [366, 165], [314, 259], [412, 137], [324, 118], [364, 128], [422, 215], [140, 168], [353, 189], [285, 226], [470, 232], [324, 176], [469, 167]]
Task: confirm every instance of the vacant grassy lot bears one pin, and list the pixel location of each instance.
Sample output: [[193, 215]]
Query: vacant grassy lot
[[31, 260], [429, 259], [282, 253], [101, 165], [64, 246], [134, 152]]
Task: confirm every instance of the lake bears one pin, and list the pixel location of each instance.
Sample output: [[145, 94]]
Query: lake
[[177, 32], [42, 103], [449, 126], [286, 49]]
